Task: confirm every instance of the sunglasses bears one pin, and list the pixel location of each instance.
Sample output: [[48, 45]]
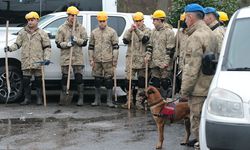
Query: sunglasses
[[137, 20], [102, 21]]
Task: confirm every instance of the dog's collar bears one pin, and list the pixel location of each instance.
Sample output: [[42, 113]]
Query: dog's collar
[[163, 101]]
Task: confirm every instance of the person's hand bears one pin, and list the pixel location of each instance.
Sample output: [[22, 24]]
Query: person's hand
[[69, 44], [92, 63], [114, 63], [133, 27], [74, 40], [46, 62], [7, 49], [184, 99], [146, 59]]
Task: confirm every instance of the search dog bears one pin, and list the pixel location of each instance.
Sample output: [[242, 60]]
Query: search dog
[[163, 110]]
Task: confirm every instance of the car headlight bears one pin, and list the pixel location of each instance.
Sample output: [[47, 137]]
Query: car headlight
[[225, 103]]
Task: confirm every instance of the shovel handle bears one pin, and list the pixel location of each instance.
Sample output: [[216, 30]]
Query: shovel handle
[[130, 71], [43, 84], [70, 57], [115, 83], [6, 61]]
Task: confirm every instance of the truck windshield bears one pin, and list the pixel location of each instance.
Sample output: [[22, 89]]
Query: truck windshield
[[238, 47]]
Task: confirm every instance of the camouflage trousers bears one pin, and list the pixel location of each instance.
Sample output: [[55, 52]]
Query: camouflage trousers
[[160, 73], [195, 103], [76, 69], [31, 72], [103, 69]]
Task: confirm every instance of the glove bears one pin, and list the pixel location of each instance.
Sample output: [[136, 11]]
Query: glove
[[74, 40], [7, 49], [69, 44], [46, 62]]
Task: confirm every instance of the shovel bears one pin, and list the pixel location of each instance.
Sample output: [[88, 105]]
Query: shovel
[[130, 71], [67, 95], [7, 64]]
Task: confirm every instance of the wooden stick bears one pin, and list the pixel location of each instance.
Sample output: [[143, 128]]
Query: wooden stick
[[43, 84], [175, 63], [130, 71], [6, 62], [115, 83], [70, 57]]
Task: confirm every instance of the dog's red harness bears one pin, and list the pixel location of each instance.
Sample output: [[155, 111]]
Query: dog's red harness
[[167, 111]]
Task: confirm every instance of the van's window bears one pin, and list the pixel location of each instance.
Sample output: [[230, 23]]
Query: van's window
[[238, 52], [117, 23], [53, 26]]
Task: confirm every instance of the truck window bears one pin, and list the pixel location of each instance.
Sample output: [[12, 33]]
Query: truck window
[[117, 23], [53, 26], [237, 52]]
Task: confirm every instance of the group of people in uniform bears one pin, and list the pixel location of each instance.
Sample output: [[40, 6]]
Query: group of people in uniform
[[201, 31]]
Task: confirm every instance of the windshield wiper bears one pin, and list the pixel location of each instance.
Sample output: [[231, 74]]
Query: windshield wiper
[[239, 69]]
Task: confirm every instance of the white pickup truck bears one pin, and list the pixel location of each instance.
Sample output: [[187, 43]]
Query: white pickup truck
[[50, 23]]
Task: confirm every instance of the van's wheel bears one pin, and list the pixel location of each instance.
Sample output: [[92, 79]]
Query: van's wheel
[[16, 84]]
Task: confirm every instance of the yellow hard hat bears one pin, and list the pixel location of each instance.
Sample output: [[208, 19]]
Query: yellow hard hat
[[223, 16], [138, 16], [102, 16], [183, 16], [31, 15], [158, 14], [72, 10]]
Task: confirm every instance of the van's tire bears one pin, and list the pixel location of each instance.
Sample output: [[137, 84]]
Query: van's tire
[[16, 84]]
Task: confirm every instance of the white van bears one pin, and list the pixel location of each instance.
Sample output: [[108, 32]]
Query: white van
[[50, 23], [225, 120]]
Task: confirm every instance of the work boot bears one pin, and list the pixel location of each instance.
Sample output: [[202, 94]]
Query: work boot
[[27, 96], [139, 99], [80, 95], [125, 106], [97, 101], [39, 96], [109, 98]]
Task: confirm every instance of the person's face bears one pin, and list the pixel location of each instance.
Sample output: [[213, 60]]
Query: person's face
[[208, 19], [71, 18], [102, 24], [189, 19], [139, 23], [157, 23], [32, 22]]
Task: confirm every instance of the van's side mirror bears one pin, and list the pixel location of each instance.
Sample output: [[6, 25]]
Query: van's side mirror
[[51, 36], [209, 63]]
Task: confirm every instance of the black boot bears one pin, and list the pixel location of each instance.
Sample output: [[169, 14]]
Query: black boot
[[109, 98], [80, 95], [97, 101], [27, 91]]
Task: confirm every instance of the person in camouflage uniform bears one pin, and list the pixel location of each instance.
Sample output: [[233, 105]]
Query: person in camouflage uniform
[[211, 18], [65, 40], [195, 84], [140, 38], [161, 45], [36, 48], [103, 55]]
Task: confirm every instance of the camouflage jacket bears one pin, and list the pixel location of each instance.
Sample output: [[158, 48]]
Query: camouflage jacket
[[161, 44], [219, 32], [64, 36], [141, 37], [182, 35], [201, 40], [35, 47], [103, 45]]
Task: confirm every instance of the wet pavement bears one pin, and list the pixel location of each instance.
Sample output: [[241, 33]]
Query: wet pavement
[[76, 128]]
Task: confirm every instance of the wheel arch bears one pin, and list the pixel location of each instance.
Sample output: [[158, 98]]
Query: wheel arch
[[12, 62]]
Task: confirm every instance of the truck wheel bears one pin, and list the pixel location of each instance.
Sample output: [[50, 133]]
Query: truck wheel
[[16, 84]]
